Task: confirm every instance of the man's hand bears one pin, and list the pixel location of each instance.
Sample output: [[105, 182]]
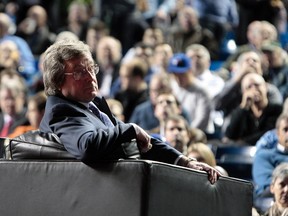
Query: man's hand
[[143, 139], [247, 100], [213, 174]]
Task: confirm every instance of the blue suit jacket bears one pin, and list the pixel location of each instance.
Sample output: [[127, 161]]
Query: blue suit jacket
[[86, 137]]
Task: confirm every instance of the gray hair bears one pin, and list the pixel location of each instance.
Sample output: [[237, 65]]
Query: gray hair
[[281, 171], [54, 62]]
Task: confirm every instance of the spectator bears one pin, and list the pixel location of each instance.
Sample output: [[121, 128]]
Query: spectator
[[257, 33], [27, 61], [249, 11], [278, 187], [186, 30], [158, 11], [11, 9], [278, 67], [9, 55], [269, 32], [134, 89], [35, 30], [77, 20], [12, 115], [217, 16], [270, 139], [96, 30], [109, 55], [34, 114], [73, 113], [200, 64], [255, 115], [143, 51], [202, 152], [16, 81], [124, 21], [166, 105], [266, 159], [231, 96], [178, 133], [188, 90], [160, 58], [143, 114], [151, 38]]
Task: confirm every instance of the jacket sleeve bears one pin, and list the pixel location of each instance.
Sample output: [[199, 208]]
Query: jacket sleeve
[[162, 152], [85, 136]]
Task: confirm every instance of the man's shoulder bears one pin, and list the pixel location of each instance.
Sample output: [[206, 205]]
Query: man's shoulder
[[268, 140], [266, 153]]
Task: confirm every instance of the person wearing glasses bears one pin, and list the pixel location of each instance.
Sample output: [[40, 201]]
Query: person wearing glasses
[[83, 121]]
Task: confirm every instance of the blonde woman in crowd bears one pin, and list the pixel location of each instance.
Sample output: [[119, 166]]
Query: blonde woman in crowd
[[203, 153]]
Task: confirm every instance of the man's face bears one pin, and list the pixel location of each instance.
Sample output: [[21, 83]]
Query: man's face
[[85, 89], [280, 191], [187, 19], [165, 106], [282, 133], [176, 134], [200, 61], [255, 87], [7, 102]]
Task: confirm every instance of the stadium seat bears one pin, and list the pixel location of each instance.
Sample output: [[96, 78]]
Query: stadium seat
[[236, 160]]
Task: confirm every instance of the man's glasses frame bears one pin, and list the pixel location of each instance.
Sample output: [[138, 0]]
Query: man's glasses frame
[[80, 73]]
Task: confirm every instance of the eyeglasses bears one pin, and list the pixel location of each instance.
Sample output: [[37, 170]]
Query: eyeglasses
[[83, 70]]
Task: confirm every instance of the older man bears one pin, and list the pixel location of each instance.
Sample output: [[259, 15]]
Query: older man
[[84, 122]]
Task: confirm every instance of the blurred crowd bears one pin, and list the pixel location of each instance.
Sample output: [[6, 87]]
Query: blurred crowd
[[194, 73]]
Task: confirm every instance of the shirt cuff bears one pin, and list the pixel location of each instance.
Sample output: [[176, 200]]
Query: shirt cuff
[[177, 159]]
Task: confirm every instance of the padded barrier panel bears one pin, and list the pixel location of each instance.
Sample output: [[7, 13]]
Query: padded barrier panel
[[188, 192], [128, 188]]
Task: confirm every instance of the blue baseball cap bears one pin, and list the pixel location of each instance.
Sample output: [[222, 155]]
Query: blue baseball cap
[[179, 63]]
